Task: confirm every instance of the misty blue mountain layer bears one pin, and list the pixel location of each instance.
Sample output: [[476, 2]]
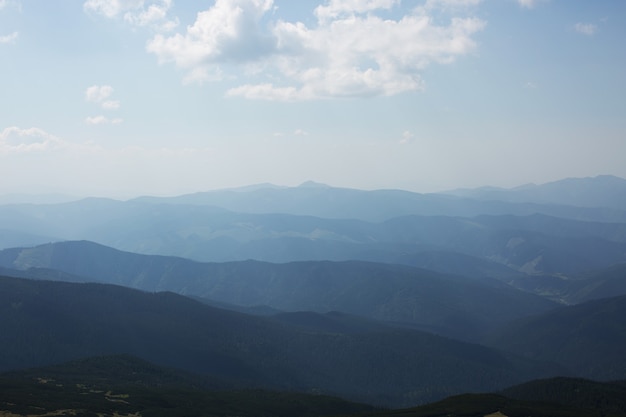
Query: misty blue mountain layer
[[385, 297]]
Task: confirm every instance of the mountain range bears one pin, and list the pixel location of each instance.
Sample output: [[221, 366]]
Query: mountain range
[[384, 297], [446, 304], [47, 322]]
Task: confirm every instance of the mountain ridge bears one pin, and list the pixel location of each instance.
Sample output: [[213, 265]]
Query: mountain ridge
[[47, 322], [449, 305]]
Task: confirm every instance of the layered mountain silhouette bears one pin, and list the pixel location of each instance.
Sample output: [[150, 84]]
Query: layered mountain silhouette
[[449, 305], [48, 322], [265, 294], [587, 338]]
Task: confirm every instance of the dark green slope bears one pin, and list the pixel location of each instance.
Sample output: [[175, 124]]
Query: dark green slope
[[589, 338], [457, 307], [125, 385], [47, 322], [609, 397], [605, 283], [493, 405], [567, 397]]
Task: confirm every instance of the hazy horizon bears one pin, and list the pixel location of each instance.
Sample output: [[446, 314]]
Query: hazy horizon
[[162, 97]]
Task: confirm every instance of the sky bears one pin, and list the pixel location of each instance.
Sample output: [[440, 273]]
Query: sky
[[119, 98]]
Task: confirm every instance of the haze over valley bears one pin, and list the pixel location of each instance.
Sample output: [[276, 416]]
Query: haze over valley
[[312, 208], [415, 298]]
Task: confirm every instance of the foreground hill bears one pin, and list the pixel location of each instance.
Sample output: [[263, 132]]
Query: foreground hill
[[448, 305], [555, 397], [50, 322], [589, 338], [608, 397], [126, 385]]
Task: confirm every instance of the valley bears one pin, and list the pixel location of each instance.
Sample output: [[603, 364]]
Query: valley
[[314, 301]]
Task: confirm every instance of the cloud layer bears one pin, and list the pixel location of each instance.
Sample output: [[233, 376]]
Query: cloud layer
[[100, 94], [585, 28], [351, 51], [145, 13], [17, 140], [10, 38]]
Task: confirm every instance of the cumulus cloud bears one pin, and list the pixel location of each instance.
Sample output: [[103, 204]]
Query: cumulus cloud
[[146, 13], [101, 120], [350, 52], [111, 105], [451, 4], [529, 4], [99, 94], [230, 31], [11, 38], [336, 8], [585, 28], [17, 140]]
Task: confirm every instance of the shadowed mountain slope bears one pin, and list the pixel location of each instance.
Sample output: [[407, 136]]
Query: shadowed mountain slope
[[589, 338], [50, 322], [125, 385], [605, 283], [555, 397], [609, 397], [448, 305], [501, 245]]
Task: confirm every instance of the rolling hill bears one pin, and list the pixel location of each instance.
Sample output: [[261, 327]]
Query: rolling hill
[[48, 322], [449, 305], [126, 385], [587, 338]]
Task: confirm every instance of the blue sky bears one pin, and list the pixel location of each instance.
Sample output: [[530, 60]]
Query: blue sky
[[132, 97]]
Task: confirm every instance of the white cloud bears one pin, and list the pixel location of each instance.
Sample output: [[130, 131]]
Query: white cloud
[[337, 8], [111, 105], [407, 137], [143, 13], [11, 38], [17, 140], [10, 3], [451, 4], [99, 94], [351, 51], [101, 120], [529, 4], [585, 28], [228, 31]]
